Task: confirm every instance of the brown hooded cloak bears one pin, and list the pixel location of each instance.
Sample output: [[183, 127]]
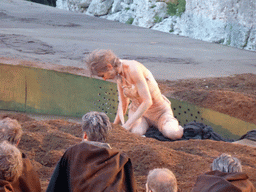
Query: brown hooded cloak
[[216, 181], [90, 167]]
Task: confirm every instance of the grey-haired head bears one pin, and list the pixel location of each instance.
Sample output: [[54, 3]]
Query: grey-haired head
[[226, 163], [96, 126], [11, 163]]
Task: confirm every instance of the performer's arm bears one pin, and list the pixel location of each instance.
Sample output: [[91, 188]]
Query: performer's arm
[[145, 96], [122, 105]]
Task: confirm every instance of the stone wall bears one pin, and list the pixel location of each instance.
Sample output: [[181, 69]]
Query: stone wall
[[229, 22]]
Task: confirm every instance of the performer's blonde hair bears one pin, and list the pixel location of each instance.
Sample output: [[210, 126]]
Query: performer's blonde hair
[[98, 60]]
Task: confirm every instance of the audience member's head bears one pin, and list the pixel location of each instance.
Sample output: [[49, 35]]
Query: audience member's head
[[11, 163], [95, 126], [161, 180], [10, 130], [226, 163]]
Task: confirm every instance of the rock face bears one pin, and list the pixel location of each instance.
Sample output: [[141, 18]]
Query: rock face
[[229, 22], [100, 7]]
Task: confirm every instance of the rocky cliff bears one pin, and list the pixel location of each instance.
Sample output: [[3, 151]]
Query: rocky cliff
[[229, 22]]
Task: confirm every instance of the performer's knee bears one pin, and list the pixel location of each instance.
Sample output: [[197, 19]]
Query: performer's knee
[[172, 131], [138, 131]]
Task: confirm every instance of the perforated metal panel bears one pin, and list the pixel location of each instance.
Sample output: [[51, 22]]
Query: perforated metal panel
[[225, 125], [185, 112], [106, 100]]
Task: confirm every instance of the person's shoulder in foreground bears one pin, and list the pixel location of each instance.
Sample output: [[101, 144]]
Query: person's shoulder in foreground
[[225, 176], [92, 165]]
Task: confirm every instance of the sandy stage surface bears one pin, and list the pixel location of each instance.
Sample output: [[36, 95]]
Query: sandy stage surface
[[44, 141]]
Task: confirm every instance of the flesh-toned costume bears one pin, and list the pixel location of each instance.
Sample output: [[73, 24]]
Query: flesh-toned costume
[[92, 166], [216, 181], [159, 112], [27, 182]]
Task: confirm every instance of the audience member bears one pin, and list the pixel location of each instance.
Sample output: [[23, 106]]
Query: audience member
[[10, 130], [227, 164], [10, 166], [225, 175], [161, 180], [92, 165]]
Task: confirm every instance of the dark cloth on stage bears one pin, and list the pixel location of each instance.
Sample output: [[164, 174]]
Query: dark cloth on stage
[[251, 135], [216, 181], [29, 180], [91, 167], [192, 130], [196, 130]]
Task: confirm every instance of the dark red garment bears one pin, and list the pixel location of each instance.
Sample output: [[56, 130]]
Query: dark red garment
[[89, 167], [6, 186], [216, 181], [29, 180]]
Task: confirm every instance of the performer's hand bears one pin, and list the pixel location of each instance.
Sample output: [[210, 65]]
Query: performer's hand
[[127, 127], [117, 121]]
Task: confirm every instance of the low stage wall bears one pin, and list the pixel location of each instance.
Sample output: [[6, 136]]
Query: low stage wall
[[41, 91]]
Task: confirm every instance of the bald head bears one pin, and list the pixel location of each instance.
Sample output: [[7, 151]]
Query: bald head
[[161, 180]]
